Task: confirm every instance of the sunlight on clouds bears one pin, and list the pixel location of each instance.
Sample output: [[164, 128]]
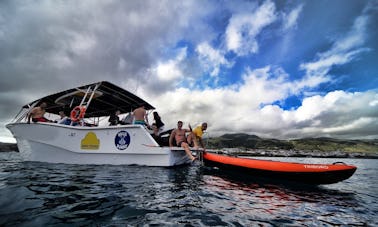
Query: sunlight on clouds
[[324, 64], [211, 59], [82, 43], [269, 117], [243, 28], [253, 49], [264, 86], [308, 81], [343, 50], [290, 20], [355, 37], [239, 110], [170, 70], [270, 84], [360, 123], [315, 105], [373, 103]]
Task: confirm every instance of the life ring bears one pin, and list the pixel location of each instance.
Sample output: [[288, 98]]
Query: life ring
[[78, 113]]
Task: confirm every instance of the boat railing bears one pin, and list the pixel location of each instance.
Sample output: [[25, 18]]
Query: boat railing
[[87, 100], [23, 113]]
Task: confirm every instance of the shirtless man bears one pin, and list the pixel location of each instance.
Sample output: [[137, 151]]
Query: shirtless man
[[140, 116], [179, 135], [37, 114]]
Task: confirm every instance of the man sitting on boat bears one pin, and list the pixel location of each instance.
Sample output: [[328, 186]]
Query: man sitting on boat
[[180, 138], [37, 114], [63, 118]]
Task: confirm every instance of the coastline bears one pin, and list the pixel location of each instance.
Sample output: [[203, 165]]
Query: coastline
[[12, 147], [301, 153]]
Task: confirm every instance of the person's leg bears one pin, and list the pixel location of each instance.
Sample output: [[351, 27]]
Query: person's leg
[[190, 139], [194, 141], [187, 150]]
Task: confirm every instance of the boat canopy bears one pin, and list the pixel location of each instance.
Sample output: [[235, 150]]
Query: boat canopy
[[106, 99]]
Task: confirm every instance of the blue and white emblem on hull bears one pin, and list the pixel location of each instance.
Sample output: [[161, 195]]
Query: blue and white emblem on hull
[[122, 140]]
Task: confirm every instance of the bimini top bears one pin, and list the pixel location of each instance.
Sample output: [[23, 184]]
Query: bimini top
[[106, 99]]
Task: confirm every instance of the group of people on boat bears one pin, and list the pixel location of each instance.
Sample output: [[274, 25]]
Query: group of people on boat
[[37, 114], [138, 117], [180, 137], [187, 138]]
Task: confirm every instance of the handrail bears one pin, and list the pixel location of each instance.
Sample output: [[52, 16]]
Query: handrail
[[23, 113], [93, 92], [84, 102]]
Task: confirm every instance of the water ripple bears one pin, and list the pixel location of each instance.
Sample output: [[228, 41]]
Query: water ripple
[[40, 194]]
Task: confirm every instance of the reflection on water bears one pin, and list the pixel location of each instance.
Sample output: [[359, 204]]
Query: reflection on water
[[40, 194], [280, 203]]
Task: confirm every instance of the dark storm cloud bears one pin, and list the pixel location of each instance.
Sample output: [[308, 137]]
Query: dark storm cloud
[[49, 46], [172, 52]]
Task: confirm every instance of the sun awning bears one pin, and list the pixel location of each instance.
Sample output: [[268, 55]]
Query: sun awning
[[106, 100]]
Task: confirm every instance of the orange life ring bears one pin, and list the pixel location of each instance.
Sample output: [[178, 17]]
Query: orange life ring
[[78, 113]]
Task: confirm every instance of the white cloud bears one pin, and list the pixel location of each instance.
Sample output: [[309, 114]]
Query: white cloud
[[374, 103], [336, 114], [315, 105], [164, 76], [243, 28], [290, 19], [170, 71], [356, 124], [82, 43], [344, 50], [49, 46], [211, 59]]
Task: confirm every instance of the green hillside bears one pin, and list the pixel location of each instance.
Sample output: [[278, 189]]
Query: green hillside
[[245, 141], [329, 144]]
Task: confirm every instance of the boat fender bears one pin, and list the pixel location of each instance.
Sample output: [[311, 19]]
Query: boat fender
[[338, 163], [78, 113]]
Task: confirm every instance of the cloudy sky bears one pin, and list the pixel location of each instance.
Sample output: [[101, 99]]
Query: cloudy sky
[[277, 69]]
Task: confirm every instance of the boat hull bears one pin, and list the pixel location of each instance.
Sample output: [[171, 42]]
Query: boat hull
[[118, 145], [315, 174]]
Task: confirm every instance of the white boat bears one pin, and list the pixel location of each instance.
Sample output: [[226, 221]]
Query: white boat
[[91, 144]]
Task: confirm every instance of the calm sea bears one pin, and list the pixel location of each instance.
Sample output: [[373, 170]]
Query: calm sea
[[41, 194]]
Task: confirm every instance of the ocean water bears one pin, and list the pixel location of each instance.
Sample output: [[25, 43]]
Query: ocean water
[[42, 194]]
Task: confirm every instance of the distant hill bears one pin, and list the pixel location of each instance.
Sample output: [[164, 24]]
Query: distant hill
[[6, 147], [253, 142], [245, 141], [330, 144]]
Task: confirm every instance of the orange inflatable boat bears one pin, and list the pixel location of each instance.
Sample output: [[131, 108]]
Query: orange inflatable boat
[[299, 172]]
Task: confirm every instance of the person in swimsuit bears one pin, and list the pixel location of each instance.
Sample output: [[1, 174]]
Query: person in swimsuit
[[140, 116], [180, 138], [158, 126], [37, 114]]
